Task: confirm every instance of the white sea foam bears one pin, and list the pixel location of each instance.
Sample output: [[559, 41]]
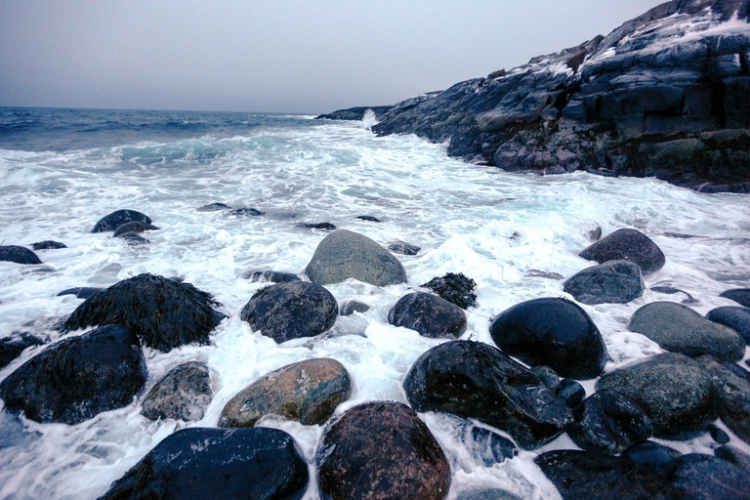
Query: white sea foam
[[492, 226]]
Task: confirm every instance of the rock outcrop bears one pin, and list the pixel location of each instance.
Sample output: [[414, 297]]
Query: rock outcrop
[[354, 114]]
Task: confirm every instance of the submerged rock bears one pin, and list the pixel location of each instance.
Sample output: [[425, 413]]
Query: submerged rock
[[164, 313], [429, 315], [292, 310], [48, 245], [627, 244], [213, 207], [326, 226], [269, 276], [736, 318], [381, 450], [12, 347], [739, 295], [552, 332], [19, 255], [308, 392], [614, 282], [455, 288], [349, 308], [476, 380], [134, 227], [367, 218], [78, 377], [403, 248], [118, 218], [344, 254], [133, 238], [246, 212], [231, 464], [183, 394], [732, 384], [82, 292]]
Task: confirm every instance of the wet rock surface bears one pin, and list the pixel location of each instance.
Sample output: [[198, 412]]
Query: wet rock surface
[[81, 292], [292, 310], [429, 315], [246, 212], [134, 227], [368, 218], [455, 288], [571, 392], [614, 282], [732, 384], [213, 207], [183, 394], [630, 245], [552, 332], [381, 450], [269, 276], [736, 318], [308, 392], [233, 464], [655, 456], [78, 377], [118, 218], [48, 245], [739, 295], [490, 447], [133, 238], [704, 476], [12, 347], [19, 255], [354, 114], [403, 248]]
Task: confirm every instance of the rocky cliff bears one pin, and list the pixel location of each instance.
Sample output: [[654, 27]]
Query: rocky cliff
[[666, 94]]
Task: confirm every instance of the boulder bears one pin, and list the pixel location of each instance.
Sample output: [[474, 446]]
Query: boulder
[[231, 464], [368, 218], [609, 422], [269, 276], [476, 380], [213, 207], [12, 347], [455, 288], [308, 392], [732, 384], [81, 292], [403, 248], [183, 394], [491, 494], [381, 450], [677, 328], [706, 477], [344, 254], [627, 244], [672, 389], [571, 392], [349, 308], [19, 255], [134, 227], [655, 456], [736, 318], [48, 245], [718, 435], [164, 313], [614, 282], [553, 332], [292, 310], [78, 377], [246, 212], [739, 295], [429, 315], [118, 218]]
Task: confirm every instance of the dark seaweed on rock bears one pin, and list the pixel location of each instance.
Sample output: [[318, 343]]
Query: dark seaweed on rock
[[455, 288]]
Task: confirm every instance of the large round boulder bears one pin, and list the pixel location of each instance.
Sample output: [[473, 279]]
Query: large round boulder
[[732, 384], [614, 282], [78, 377], [165, 313], [291, 310], [183, 394], [18, 255], [677, 328], [552, 332], [736, 318], [627, 244], [739, 295], [118, 218], [381, 450], [429, 315], [231, 464], [673, 390], [344, 254], [308, 392], [476, 380]]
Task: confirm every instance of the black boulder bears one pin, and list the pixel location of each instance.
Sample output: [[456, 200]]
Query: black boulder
[[118, 218], [429, 315], [627, 244], [19, 255], [736, 318], [655, 456]]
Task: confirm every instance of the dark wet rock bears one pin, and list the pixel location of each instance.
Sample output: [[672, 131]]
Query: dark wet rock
[[627, 244], [609, 422], [736, 318], [732, 383], [368, 218], [718, 435], [308, 392], [455, 288], [344, 254], [118, 218], [552, 332], [403, 248], [669, 290], [164, 313], [269, 276], [354, 114], [183, 394], [231, 464], [614, 282], [48, 245], [490, 447], [548, 376], [595, 234], [292, 310], [246, 212], [734, 456], [739, 295], [381, 450], [591, 476], [78, 378], [476, 380], [570, 392], [133, 238], [707, 477], [134, 227], [12, 347], [19, 255], [349, 308], [678, 328], [535, 273], [326, 226], [491, 494], [213, 207], [655, 456], [672, 389], [429, 315], [81, 292]]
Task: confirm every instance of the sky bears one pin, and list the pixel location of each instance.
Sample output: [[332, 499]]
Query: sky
[[286, 56]]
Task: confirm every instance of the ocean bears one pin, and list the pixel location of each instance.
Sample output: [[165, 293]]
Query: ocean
[[62, 170]]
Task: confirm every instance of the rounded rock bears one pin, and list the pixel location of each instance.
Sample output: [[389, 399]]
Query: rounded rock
[[614, 282], [183, 394], [739, 295], [429, 315], [571, 392], [736, 318], [627, 244], [18, 255], [655, 456], [118, 218]]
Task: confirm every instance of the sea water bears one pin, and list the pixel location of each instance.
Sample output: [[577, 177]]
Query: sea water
[[62, 170]]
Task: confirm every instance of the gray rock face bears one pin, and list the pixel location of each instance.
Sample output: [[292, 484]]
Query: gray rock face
[[429, 315], [733, 394], [678, 328], [118, 218], [308, 392], [344, 254], [291, 310], [736, 318], [627, 244], [674, 391], [183, 394], [614, 282], [19, 255], [739, 295]]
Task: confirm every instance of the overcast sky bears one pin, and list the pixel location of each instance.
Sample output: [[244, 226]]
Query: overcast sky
[[275, 55]]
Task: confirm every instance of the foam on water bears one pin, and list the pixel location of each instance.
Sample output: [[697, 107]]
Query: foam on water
[[499, 229]]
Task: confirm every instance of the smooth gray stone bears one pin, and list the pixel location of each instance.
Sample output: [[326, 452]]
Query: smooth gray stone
[[183, 394], [614, 282]]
